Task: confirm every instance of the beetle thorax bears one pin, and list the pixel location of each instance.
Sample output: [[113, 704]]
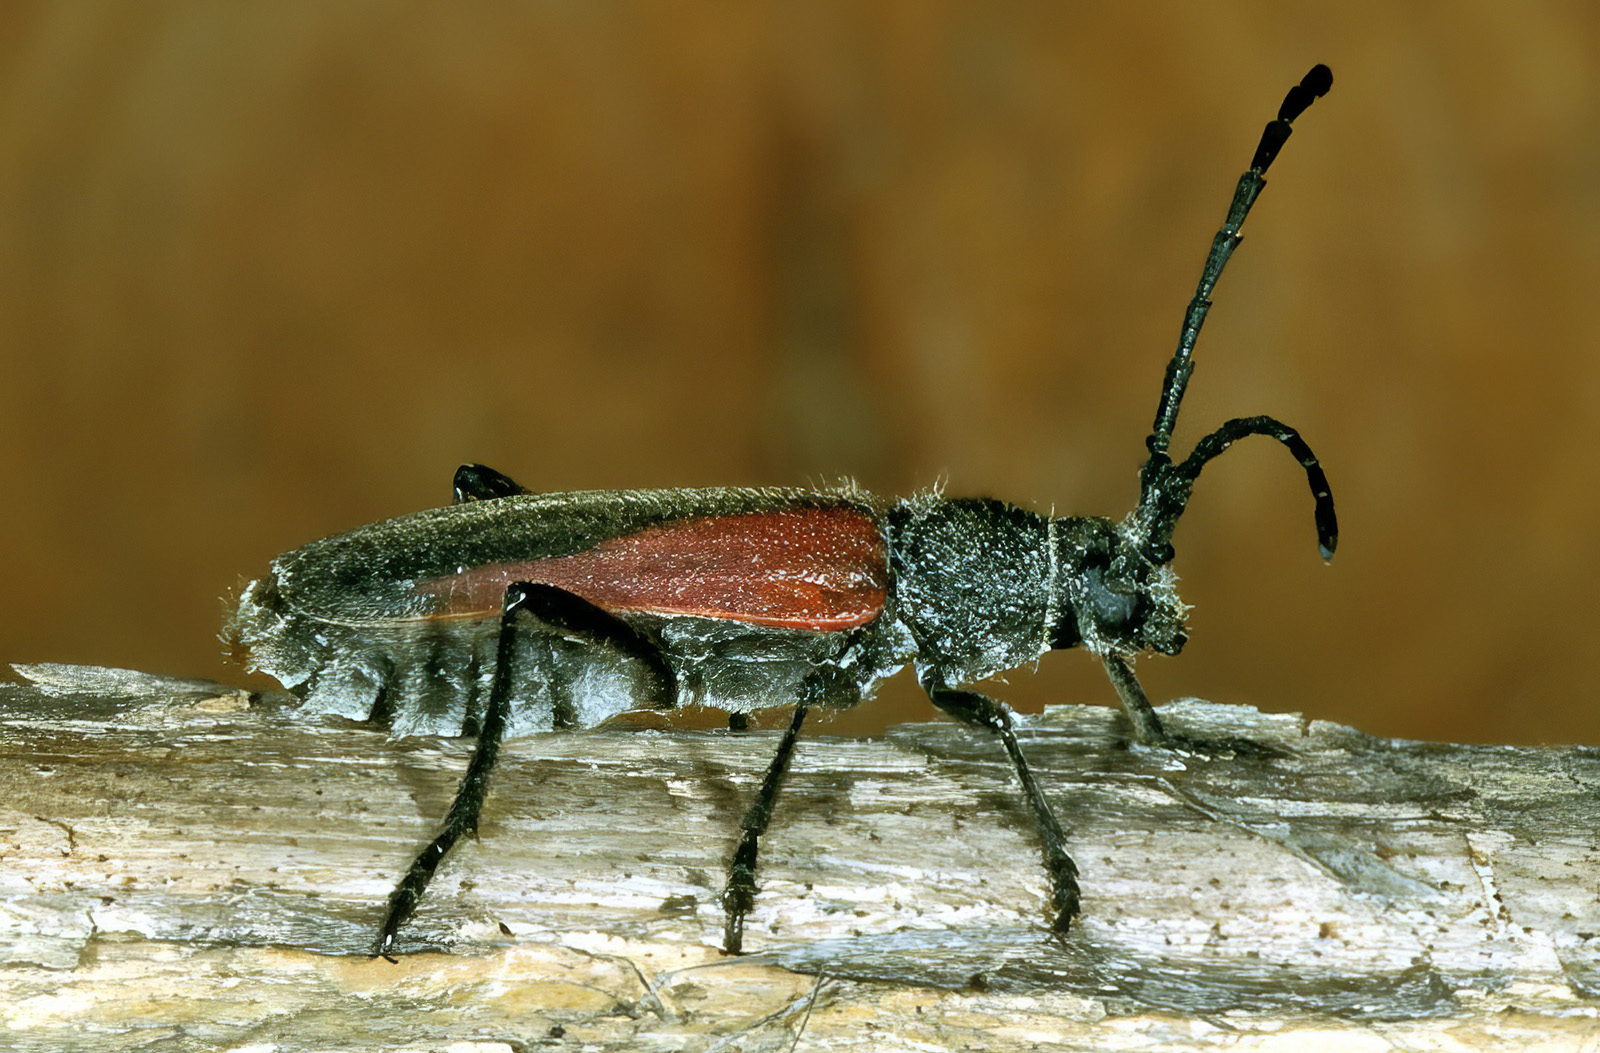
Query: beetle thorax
[[972, 584]]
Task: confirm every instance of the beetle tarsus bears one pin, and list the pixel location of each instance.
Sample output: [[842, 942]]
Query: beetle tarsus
[[984, 712], [738, 896]]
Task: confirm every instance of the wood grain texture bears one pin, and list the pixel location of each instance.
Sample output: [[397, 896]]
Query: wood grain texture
[[189, 868]]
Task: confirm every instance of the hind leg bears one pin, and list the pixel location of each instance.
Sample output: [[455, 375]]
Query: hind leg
[[554, 610], [463, 815]]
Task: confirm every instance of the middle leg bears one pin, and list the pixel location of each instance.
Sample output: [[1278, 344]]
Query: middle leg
[[981, 711], [740, 893]]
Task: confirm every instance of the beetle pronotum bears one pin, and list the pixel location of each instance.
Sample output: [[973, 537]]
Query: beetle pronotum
[[510, 612]]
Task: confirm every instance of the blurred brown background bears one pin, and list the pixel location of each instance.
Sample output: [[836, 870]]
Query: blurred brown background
[[268, 272]]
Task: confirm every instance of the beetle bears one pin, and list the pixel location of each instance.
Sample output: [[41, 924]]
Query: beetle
[[509, 612]]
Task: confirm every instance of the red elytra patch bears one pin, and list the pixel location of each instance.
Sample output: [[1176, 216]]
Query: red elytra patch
[[823, 569]]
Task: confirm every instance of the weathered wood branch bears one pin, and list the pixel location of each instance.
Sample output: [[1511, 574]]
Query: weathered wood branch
[[183, 861]]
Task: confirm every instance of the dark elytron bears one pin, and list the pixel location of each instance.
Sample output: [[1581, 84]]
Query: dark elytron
[[510, 613]]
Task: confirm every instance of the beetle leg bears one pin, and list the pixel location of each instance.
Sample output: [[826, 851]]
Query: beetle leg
[[1147, 728], [464, 810], [984, 712], [568, 614], [577, 618], [740, 893], [479, 482]]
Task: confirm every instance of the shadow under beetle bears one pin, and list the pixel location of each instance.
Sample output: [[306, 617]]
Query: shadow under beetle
[[510, 612]]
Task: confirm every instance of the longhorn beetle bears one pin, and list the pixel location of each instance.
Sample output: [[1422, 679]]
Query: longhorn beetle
[[510, 612]]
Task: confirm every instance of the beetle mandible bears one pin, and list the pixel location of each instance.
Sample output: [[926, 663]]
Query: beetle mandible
[[510, 612]]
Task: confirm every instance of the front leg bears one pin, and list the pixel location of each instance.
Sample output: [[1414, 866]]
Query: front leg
[[984, 712], [1148, 730]]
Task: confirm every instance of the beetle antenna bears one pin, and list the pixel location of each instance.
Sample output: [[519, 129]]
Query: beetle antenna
[[1300, 97], [1170, 498], [1164, 487]]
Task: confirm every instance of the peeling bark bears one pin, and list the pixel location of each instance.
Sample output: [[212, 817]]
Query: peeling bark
[[190, 867]]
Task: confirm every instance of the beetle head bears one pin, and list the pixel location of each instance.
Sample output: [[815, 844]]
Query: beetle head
[[1116, 578], [1137, 568], [1117, 600]]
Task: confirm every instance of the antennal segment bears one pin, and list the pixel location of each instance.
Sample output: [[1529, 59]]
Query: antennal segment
[[1177, 483], [1314, 85]]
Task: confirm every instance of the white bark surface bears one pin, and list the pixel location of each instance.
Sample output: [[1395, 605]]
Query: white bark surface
[[188, 868]]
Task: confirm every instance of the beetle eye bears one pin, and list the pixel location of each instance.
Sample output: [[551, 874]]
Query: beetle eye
[[1113, 610]]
